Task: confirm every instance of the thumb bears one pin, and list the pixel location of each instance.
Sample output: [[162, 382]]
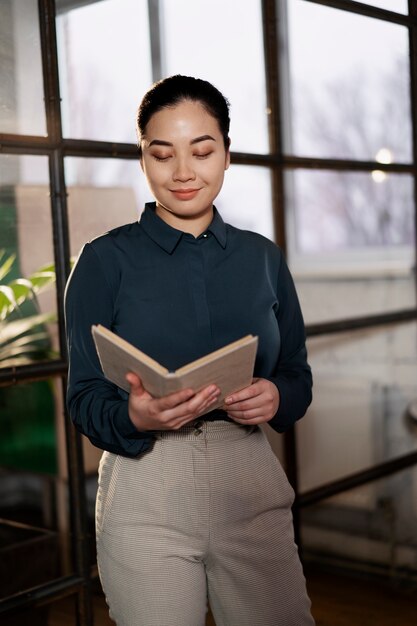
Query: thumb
[[136, 387]]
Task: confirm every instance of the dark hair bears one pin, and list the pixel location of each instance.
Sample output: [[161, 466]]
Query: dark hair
[[170, 91]]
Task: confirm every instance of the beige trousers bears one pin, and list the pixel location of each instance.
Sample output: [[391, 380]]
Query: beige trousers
[[203, 516]]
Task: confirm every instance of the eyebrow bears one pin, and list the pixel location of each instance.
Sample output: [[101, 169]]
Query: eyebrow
[[160, 142]]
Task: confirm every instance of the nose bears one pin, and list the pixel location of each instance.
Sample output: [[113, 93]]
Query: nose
[[183, 170]]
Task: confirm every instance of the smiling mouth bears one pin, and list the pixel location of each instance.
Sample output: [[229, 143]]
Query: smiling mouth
[[185, 194]]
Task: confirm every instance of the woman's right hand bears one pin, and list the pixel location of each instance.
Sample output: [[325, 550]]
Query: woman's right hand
[[170, 412]]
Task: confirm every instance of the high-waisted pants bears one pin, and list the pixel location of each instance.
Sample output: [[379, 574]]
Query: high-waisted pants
[[204, 516]]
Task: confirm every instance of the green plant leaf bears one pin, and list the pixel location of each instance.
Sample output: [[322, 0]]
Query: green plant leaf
[[27, 359], [42, 279], [22, 289], [6, 265], [48, 267], [24, 340], [14, 349], [11, 330], [7, 301]]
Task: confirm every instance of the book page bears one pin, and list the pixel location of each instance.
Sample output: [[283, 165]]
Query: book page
[[230, 368]]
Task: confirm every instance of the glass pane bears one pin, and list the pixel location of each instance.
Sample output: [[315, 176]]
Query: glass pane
[[27, 422], [102, 83], [202, 39], [364, 386], [22, 108], [351, 212], [34, 510], [34, 506], [26, 237], [354, 293], [371, 528], [245, 200], [399, 6], [350, 85], [102, 194]]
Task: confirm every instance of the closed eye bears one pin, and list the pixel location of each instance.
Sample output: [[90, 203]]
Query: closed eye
[[160, 158], [203, 156]]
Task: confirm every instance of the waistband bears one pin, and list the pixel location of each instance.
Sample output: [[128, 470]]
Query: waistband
[[203, 429]]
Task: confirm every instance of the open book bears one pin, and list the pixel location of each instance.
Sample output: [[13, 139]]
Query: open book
[[230, 367]]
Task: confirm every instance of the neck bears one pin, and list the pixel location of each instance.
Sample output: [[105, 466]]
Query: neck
[[195, 225]]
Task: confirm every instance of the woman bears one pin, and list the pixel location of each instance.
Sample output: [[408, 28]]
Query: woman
[[190, 509]]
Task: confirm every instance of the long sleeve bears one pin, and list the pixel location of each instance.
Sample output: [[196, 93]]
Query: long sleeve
[[97, 407], [292, 374]]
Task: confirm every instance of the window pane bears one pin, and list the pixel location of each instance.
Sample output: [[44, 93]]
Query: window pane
[[354, 292], [364, 384], [372, 526], [350, 93], [245, 200], [26, 236], [22, 108], [399, 6], [348, 212], [34, 510], [203, 39], [102, 81], [102, 194]]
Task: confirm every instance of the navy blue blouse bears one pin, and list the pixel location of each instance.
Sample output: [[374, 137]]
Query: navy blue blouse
[[176, 298]]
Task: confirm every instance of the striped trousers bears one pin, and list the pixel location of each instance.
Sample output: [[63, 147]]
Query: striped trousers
[[203, 517]]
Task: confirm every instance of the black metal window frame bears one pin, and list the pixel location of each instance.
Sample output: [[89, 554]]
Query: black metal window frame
[[56, 148]]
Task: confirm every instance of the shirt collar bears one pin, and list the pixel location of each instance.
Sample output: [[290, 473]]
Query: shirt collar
[[168, 237], [218, 228]]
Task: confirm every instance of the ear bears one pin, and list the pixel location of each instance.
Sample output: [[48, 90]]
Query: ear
[[227, 161]]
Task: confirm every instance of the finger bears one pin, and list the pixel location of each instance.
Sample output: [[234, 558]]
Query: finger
[[253, 421], [192, 407], [246, 405], [198, 410], [178, 422], [209, 403], [136, 387], [195, 407], [203, 398], [246, 415], [174, 399], [244, 394], [174, 422]]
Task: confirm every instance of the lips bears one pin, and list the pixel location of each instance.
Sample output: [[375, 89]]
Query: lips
[[185, 194]]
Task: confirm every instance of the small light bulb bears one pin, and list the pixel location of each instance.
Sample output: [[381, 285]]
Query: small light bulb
[[378, 176], [384, 155]]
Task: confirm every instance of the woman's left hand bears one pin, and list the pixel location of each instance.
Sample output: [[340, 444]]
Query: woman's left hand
[[255, 404]]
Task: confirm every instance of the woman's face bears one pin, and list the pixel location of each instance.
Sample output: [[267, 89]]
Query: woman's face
[[184, 160]]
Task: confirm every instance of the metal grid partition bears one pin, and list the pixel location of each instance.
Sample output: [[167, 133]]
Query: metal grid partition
[[56, 148]]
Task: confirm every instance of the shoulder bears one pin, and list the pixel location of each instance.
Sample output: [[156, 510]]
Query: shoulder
[[109, 245], [249, 241], [112, 238], [105, 254]]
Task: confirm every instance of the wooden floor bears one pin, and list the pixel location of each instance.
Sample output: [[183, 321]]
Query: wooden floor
[[345, 601], [337, 600]]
